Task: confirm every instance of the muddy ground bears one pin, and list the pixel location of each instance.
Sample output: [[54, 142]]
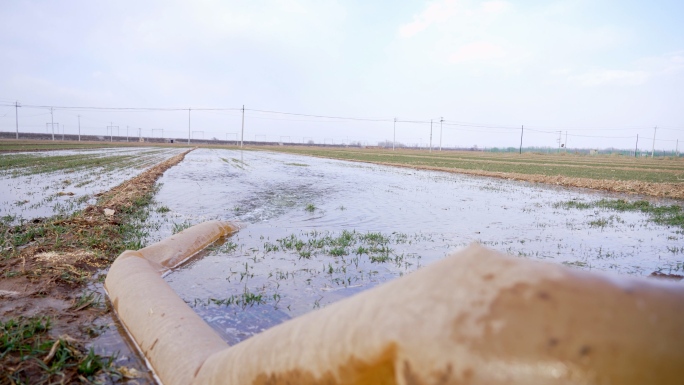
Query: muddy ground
[[545, 170], [54, 271]]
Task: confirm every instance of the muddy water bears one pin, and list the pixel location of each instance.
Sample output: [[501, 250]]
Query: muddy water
[[317, 230], [25, 195]]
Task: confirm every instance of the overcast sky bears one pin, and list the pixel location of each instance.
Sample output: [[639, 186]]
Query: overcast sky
[[602, 70]]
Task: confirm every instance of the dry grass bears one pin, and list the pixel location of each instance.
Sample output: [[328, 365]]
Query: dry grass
[[661, 177], [12, 145], [47, 264]]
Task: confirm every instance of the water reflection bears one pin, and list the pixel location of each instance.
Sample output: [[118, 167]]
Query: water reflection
[[260, 277]]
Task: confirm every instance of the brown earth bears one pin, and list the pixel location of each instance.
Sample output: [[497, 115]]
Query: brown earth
[[56, 273], [672, 190], [660, 190]]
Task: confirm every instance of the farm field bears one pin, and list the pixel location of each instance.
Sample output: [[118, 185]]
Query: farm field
[[314, 230], [55, 241], [49, 145], [660, 177], [43, 184], [317, 230]]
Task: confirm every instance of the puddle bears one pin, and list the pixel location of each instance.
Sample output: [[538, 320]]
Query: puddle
[[61, 186], [318, 230]]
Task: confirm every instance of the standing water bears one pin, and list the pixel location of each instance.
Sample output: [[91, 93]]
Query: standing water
[[316, 230]]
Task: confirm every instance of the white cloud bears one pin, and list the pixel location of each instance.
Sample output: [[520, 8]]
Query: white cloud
[[437, 12], [676, 62], [495, 6], [478, 51], [643, 70], [467, 58], [561, 71], [611, 77], [668, 63], [440, 12]]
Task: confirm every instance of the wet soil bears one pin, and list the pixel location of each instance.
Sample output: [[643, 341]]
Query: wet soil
[[659, 178], [314, 231], [317, 230], [60, 182], [57, 271], [660, 190]]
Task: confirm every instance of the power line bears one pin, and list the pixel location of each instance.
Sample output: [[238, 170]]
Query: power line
[[463, 126], [604, 137], [218, 109], [320, 116], [292, 120], [122, 108]]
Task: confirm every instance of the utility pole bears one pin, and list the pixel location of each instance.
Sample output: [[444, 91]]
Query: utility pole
[[16, 115], [139, 134], [111, 133], [242, 136], [653, 148], [430, 135], [79, 128], [636, 147], [394, 140], [522, 130], [188, 126], [441, 119], [126, 133], [566, 142], [560, 139], [52, 120], [677, 148]]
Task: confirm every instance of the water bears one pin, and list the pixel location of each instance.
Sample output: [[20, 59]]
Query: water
[[317, 230], [25, 195]]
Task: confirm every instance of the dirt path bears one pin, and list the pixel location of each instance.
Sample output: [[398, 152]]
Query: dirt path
[[52, 269]]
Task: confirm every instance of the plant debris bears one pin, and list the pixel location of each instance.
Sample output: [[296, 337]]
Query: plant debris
[[46, 266]]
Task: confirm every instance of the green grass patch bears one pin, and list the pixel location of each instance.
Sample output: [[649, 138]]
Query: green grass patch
[[178, 227], [28, 354], [375, 246], [163, 209], [573, 205], [575, 166], [103, 240], [668, 215], [244, 300], [9, 146]]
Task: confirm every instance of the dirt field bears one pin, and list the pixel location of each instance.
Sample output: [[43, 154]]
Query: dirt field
[[51, 303], [50, 283], [659, 177]]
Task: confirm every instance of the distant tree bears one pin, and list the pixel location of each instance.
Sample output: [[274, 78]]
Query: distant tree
[[388, 144]]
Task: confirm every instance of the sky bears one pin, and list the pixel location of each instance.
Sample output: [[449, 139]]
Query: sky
[[597, 72]]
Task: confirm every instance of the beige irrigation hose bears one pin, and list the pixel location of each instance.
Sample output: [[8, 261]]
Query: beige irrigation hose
[[476, 317], [173, 338]]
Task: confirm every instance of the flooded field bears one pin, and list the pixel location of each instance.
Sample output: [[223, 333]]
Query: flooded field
[[43, 184], [317, 230]]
